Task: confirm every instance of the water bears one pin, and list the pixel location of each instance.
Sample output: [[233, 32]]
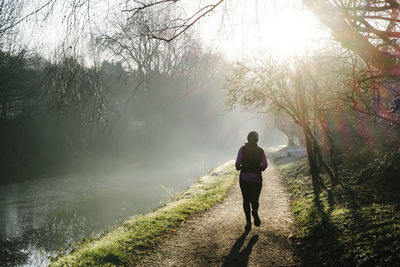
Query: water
[[39, 217]]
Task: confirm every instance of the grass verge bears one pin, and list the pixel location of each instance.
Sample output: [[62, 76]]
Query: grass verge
[[127, 242], [354, 223]]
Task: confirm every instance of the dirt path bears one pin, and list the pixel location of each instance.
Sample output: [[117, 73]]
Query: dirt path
[[217, 237]]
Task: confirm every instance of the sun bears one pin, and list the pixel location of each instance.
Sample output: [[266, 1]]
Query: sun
[[284, 29]]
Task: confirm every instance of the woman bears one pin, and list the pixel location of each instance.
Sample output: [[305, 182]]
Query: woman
[[251, 161]]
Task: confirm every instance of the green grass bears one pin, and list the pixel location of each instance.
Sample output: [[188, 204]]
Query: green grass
[[354, 223], [125, 243]]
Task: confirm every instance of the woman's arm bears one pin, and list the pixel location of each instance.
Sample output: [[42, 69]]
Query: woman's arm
[[238, 163], [264, 163]]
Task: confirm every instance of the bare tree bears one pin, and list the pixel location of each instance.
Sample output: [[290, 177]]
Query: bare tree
[[14, 12], [370, 30], [306, 91], [179, 25], [365, 27], [130, 43], [292, 130]]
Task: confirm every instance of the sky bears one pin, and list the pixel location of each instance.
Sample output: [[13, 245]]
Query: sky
[[238, 29], [243, 29]]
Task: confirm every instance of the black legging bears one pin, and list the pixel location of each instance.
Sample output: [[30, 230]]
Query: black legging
[[251, 193]]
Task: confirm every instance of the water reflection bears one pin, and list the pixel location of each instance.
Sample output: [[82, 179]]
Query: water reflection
[[39, 217], [35, 245]]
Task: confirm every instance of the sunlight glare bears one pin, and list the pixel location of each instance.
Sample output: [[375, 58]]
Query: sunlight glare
[[284, 29]]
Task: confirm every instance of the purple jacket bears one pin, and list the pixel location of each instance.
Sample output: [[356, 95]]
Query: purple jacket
[[251, 177]]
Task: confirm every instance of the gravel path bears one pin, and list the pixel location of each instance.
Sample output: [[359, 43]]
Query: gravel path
[[217, 237]]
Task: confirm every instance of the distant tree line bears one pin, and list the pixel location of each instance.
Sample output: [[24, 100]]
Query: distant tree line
[[50, 114]]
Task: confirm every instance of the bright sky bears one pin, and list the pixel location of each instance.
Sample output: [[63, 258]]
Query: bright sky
[[240, 29], [245, 28]]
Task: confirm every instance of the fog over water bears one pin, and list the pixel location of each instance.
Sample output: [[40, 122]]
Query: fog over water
[[46, 214], [155, 145]]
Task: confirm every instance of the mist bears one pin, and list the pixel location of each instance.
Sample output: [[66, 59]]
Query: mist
[[96, 130], [73, 168]]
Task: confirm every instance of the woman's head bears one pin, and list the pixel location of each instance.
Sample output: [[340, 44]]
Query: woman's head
[[252, 137]]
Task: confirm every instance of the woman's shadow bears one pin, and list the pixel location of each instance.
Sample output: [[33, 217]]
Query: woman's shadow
[[237, 257]]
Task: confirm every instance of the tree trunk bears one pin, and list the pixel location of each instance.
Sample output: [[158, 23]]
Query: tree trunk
[[312, 162], [291, 141]]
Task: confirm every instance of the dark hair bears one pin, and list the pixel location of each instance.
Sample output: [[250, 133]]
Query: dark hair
[[252, 137]]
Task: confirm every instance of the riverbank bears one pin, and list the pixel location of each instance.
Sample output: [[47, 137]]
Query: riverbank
[[128, 241], [352, 223]]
